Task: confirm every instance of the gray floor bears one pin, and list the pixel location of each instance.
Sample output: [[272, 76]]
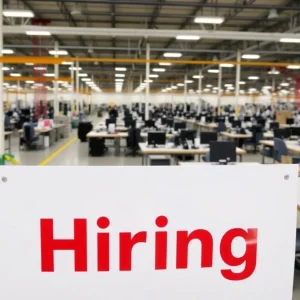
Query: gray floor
[[77, 155]]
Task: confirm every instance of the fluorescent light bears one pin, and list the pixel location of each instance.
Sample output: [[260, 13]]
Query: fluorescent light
[[148, 81], [266, 87], [49, 74], [174, 87], [121, 69], [228, 84], [172, 54], [209, 85], [165, 64], [119, 80], [230, 88], [82, 75], [159, 70], [119, 75], [209, 20], [206, 90], [273, 72], [7, 51], [67, 63], [15, 74], [198, 76], [227, 65], [215, 88], [188, 37], [75, 69], [288, 40], [153, 76], [5, 68], [18, 13], [40, 68], [59, 52], [86, 79], [29, 81], [284, 84], [213, 71], [180, 84], [38, 33], [242, 82], [293, 67], [189, 81], [250, 56], [29, 64], [253, 77]]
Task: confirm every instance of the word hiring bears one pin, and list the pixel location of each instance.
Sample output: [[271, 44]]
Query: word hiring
[[128, 240]]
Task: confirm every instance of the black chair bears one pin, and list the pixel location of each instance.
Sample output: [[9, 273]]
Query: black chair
[[29, 137], [83, 129], [257, 136], [133, 140]]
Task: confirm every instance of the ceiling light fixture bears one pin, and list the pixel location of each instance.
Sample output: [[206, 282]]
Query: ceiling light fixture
[[227, 65], [119, 75], [180, 84], [284, 84], [44, 33], [273, 14], [83, 75], [153, 76], [58, 52], [189, 81], [120, 69], [209, 85], [250, 56], [18, 13], [289, 40], [15, 74], [159, 70], [253, 77], [49, 74], [273, 71], [29, 64], [172, 54], [67, 63], [209, 20], [198, 76], [7, 51], [5, 68], [119, 80], [165, 64], [188, 37], [75, 69], [86, 79], [213, 71], [242, 82], [293, 67]]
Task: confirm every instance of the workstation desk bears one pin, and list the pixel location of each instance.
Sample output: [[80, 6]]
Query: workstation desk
[[175, 152], [270, 135], [118, 136]]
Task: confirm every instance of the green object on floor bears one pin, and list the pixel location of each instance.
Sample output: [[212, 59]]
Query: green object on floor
[[75, 123], [7, 157]]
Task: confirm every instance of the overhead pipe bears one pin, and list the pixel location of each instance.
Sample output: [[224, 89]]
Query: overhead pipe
[[182, 4], [148, 33]]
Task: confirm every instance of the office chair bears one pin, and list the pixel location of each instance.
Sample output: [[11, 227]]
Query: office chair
[[7, 125], [83, 129], [257, 136], [133, 140], [221, 127], [280, 149], [29, 137], [297, 259]]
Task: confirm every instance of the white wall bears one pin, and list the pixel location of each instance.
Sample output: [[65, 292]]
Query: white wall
[[122, 98]]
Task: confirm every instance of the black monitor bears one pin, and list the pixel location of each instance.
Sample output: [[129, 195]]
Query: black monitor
[[274, 125], [247, 119], [295, 131], [222, 151], [163, 121], [129, 122], [261, 122], [170, 123], [231, 119], [198, 118], [188, 134], [150, 123], [110, 121], [156, 138], [282, 133], [289, 121], [179, 125], [237, 124], [208, 136], [208, 119]]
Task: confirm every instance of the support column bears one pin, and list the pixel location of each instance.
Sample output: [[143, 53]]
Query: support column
[[73, 87], [141, 94], [56, 74], [2, 141], [147, 81], [237, 78], [185, 93], [200, 91], [77, 88], [219, 89]]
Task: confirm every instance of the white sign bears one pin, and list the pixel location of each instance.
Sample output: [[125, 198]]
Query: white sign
[[133, 233]]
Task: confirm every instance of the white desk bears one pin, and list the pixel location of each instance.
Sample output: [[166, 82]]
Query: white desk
[[199, 164], [175, 152], [236, 136]]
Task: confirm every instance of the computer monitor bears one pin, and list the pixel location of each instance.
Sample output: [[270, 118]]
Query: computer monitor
[[163, 121], [110, 121], [170, 123], [198, 118], [222, 151], [289, 121], [237, 124], [208, 119], [261, 122], [179, 125], [274, 125], [188, 134], [150, 123], [295, 131], [208, 136], [129, 122], [231, 119], [247, 119], [156, 138], [282, 133]]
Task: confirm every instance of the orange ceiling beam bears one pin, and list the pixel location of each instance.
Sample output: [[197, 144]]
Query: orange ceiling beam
[[37, 79]]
